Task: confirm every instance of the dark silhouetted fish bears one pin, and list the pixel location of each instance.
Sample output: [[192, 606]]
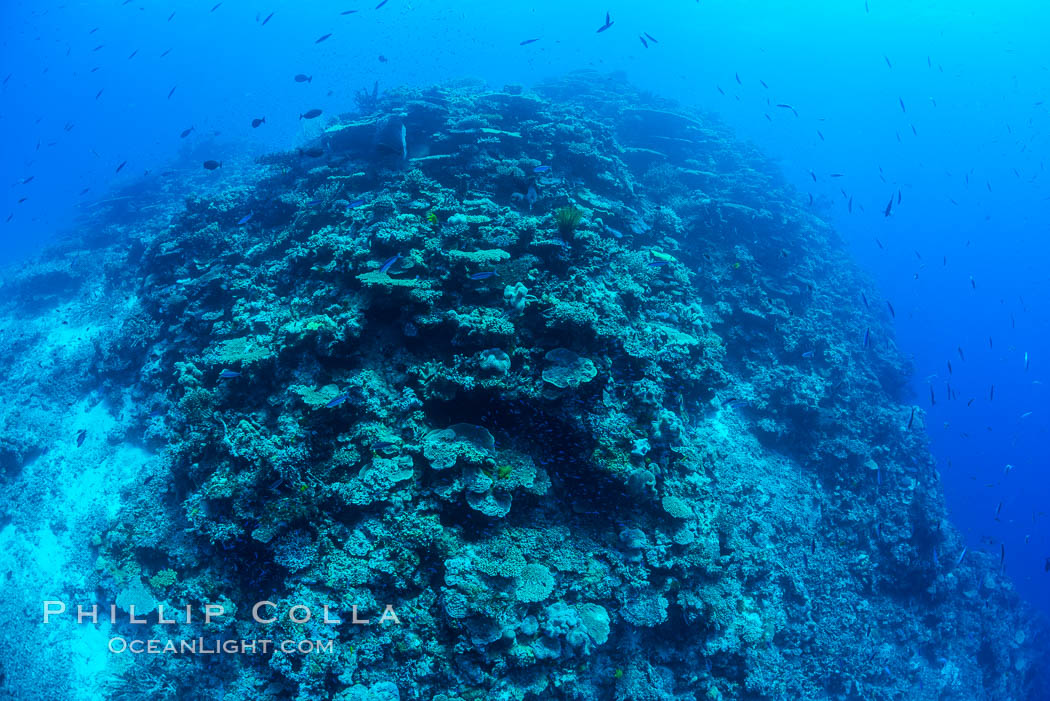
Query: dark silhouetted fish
[[527, 42], [121, 166], [608, 23], [312, 152], [258, 121], [322, 38], [310, 114], [172, 92], [186, 132], [212, 165], [266, 20], [303, 78]]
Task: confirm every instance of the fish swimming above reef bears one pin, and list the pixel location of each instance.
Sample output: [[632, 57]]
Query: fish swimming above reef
[[229, 374], [212, 165], [337, 400], [186, 132], [389, 263], [310, 114]]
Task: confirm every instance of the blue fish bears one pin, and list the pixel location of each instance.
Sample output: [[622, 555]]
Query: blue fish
[[81, 437], [807, 354], [735, 403], [246, 218], [313, 203], [229, 374], [336, 401], [356, 203], [867, 337], [541, 169], [389, 263], [483, 276], [658, 264]]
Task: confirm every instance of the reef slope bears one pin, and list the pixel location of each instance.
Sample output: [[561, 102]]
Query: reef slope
[[569, 377]]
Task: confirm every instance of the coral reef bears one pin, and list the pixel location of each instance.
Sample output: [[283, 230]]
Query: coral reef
[[531, 367]]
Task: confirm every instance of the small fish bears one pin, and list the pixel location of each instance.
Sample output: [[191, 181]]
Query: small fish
[[483, 276], [933, 399], [355, 203], [172, 92], [961, 556], [81, 437], [864, 298], [229, 374], [657, 263], [867, 337], [212, 165], [26, 181], [303, 78], [849, 206], [644, 42], [892, 313], [949, 367], [608, 23], [166, 52], [121, 166], [312, 152], [887, 60], [99, 93], [246, 218], [217, 6], [991, 394], [970, 402], [807, 354], [337, 400], [186, 132], [973, 283], [389, 263], [650, 37], [310, 114], [1026, 361], [344, 13], [382, 3], [795, 112], [736, 403], [133, 54], [382, 58], [962, 356], [820, 134], [258, 121], [320, 39], [313, 203], [541, 169], [901, 100], [889, 208], [527, 42], [263, 24], [911, 419]]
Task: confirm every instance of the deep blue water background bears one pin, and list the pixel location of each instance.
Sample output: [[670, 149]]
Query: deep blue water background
[[972, 177]]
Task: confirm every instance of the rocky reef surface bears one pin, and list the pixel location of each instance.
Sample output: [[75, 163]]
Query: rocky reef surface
[[567, 377]]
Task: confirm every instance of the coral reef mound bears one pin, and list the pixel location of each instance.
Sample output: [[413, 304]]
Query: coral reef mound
[[567, 379]]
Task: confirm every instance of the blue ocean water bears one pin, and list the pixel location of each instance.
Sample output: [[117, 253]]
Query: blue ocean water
[[918, 130]]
